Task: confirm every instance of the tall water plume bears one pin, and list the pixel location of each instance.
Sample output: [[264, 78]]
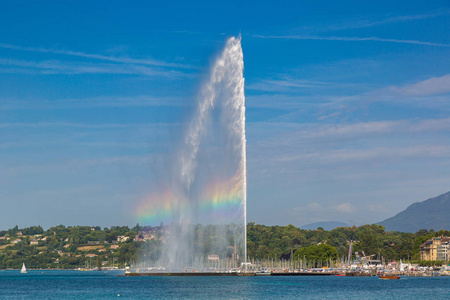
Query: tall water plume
[[205, 200]]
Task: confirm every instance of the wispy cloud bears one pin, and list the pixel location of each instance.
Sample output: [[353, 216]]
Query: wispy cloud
[[371, 21], [85, 125], [285, 83], [347, 208], [378, 208], [316, 212], [308, 136], [106, 101], [432, 92], [359, 143], [428, 87], [64, 166], [126, 60], [59, 67], [288, 84], [350, 39], [283, 100], [367, 129], [378, 154], [68, 142]]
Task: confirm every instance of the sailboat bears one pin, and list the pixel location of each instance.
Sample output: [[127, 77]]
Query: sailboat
[[23, 270]]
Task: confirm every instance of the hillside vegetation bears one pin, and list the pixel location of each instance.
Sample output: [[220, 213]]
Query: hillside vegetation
[[84, 246]]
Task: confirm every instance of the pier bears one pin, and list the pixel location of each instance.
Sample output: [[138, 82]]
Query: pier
[[195, 274]]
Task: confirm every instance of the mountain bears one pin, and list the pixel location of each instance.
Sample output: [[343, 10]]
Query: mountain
[[433, 213], [325, 225]]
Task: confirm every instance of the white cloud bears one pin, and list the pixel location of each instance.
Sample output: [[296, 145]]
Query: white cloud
[[74, 165], [111, 101], [86, 125], [301, 149], [347, 208], [379, 154], [366, 129], [325, 103], [428, 87], [371, 21], [315, 212], [378, 208], [273, 85], [310, 134], [58, 67], [67, 142], [432, 92], [350, 39], [126, 60], [284, 101]]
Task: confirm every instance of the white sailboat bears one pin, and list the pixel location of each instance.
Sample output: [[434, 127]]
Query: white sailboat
[[24, 269]]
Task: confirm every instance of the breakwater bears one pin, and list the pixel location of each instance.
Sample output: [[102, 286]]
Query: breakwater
[[197, 274]]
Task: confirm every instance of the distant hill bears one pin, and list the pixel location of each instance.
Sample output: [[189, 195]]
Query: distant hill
[[325, 225], [433, 213]]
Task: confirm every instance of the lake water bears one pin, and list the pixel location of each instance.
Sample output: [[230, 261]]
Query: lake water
[[101, 285]]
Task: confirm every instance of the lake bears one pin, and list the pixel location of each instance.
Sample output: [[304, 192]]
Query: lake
[[101, 285]]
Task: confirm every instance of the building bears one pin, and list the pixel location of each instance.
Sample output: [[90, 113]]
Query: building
[[436, 248], [93, 242], [443, 251], [122, 238]]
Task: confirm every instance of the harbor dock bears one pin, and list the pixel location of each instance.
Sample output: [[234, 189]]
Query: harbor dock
[[193, 274]]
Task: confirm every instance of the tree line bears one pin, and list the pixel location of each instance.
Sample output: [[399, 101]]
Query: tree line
[[85, 246], [280, 242]]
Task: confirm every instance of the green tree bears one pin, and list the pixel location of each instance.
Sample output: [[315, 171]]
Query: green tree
[[99, 262], [368, 243], [319, 254]]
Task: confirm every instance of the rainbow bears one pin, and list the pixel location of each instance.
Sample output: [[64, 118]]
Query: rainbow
[[220, 199]]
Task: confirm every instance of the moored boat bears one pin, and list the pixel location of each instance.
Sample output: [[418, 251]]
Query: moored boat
[[389, 277], [263, 273]]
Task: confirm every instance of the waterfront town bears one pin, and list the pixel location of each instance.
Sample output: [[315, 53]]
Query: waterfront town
[[276, 250]]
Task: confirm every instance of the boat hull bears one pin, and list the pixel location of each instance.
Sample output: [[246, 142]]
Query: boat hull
[[389, 277]]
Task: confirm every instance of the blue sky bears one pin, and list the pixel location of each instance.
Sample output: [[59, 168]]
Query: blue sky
[[347, 105]]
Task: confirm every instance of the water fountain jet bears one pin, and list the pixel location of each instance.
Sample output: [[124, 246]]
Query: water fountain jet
[[209, 176]]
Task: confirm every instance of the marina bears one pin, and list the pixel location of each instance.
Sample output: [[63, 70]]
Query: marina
[[196, 274], [383, 272]]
